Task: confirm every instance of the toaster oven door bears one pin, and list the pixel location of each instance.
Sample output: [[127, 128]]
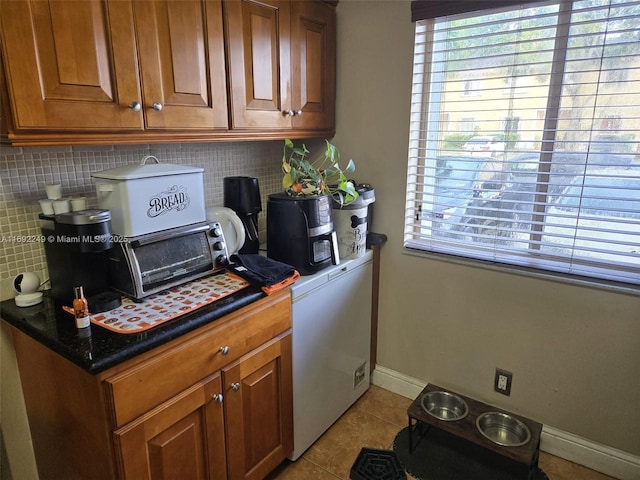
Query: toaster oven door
[[159, 261]]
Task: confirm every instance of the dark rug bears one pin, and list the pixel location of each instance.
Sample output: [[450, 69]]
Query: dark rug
[[374, 464], [442, 456]]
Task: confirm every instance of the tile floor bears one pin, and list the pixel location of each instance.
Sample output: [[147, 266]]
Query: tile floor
[[373, 422]]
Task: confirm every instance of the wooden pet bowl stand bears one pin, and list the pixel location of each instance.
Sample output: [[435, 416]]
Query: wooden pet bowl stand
[[420, 422]]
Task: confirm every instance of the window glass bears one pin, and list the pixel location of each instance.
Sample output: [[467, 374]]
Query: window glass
[[540, 167]]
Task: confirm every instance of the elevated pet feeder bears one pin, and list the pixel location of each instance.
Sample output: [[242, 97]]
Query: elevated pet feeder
[[514, 438]]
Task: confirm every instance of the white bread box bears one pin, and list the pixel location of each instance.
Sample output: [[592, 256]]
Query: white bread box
[[150, 197]]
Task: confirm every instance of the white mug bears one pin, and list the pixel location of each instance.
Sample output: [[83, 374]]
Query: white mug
[[78, 203], [62, 205], [46, 206], [54, 191]]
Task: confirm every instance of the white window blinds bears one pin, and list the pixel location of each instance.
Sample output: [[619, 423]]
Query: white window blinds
[[525, 138]]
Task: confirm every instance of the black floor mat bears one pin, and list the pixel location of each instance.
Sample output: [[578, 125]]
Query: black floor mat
[[442, 456], [374, 464]]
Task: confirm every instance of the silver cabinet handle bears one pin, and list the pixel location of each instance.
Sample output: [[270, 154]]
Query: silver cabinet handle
[[235, 386], [157, 106], [288, 113], [298, 112], [135, 106], [217, 397], [224, 350]]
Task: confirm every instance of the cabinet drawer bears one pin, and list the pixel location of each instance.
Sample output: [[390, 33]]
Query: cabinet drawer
[[181, 363]]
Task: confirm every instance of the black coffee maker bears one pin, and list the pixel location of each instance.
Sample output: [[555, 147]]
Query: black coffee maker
[[300, 232], [75, 247], [242, 195]]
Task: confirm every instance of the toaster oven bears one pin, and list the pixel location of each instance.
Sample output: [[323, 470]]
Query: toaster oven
[[147, 264]]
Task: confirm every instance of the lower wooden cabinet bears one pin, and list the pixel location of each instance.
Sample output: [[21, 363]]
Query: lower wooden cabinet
[[214, 404], [181, 439], [257, 406], [235, 424]]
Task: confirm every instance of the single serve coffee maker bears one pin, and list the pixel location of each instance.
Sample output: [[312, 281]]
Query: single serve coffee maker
[[242, 195], [300, 232], [75, 245]]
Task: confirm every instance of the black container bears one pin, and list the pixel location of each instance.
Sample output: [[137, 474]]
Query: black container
[[300, 232], [242, 195]]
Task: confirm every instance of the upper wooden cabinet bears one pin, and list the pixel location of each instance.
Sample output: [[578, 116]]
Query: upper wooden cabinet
[[61, 62], [313, 53], [151, 71], [281, 58], [114, 65], [181, 54]]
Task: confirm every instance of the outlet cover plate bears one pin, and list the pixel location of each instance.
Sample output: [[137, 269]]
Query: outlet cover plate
[[502, 382]]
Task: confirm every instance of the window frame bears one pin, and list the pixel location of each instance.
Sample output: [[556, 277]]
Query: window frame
[[548, 141]]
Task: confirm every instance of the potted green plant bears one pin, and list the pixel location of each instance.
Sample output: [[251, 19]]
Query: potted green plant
[[321, 176]]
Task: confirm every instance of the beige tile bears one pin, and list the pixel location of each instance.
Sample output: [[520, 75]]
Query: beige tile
[[302, 469], [339, 447], [560, 469], [385, 405]]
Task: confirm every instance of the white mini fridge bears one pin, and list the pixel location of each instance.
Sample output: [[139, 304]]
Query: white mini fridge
[[331, 316]]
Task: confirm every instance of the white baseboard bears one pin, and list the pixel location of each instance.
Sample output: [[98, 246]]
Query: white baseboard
[[610, 461]]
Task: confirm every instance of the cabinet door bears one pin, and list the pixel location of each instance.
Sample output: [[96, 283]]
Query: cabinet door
[[313, 50], [259, 410], [181, 51], [259, 55], [183, 439], [70, 64]]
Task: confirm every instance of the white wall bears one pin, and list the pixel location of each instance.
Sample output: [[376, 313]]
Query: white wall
[[574, 351]]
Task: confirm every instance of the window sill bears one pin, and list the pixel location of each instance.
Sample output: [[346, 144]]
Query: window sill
[[613, 287]]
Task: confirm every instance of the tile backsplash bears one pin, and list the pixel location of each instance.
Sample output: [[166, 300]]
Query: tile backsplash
[[24, 172]]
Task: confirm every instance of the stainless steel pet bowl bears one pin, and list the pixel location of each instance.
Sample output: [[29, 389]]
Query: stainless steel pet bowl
[[444, 405], [503, 429]]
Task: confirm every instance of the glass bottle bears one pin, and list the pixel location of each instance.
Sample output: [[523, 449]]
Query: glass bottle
[[84, 343], [80, 308]]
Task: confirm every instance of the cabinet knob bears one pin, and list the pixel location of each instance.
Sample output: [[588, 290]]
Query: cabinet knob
[[288, 113], [217, 397], [235, 386], [224, 350], [298, 112], [157, 106], [135, 106]]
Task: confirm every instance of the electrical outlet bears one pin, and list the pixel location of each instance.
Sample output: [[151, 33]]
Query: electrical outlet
[[502, 382]]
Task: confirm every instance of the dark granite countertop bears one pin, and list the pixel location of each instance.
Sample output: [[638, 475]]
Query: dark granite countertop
[[103, 349]]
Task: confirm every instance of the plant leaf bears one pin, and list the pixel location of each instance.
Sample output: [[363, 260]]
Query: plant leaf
[[324, 171], [300, 151], [351, 167], [287, 181]]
